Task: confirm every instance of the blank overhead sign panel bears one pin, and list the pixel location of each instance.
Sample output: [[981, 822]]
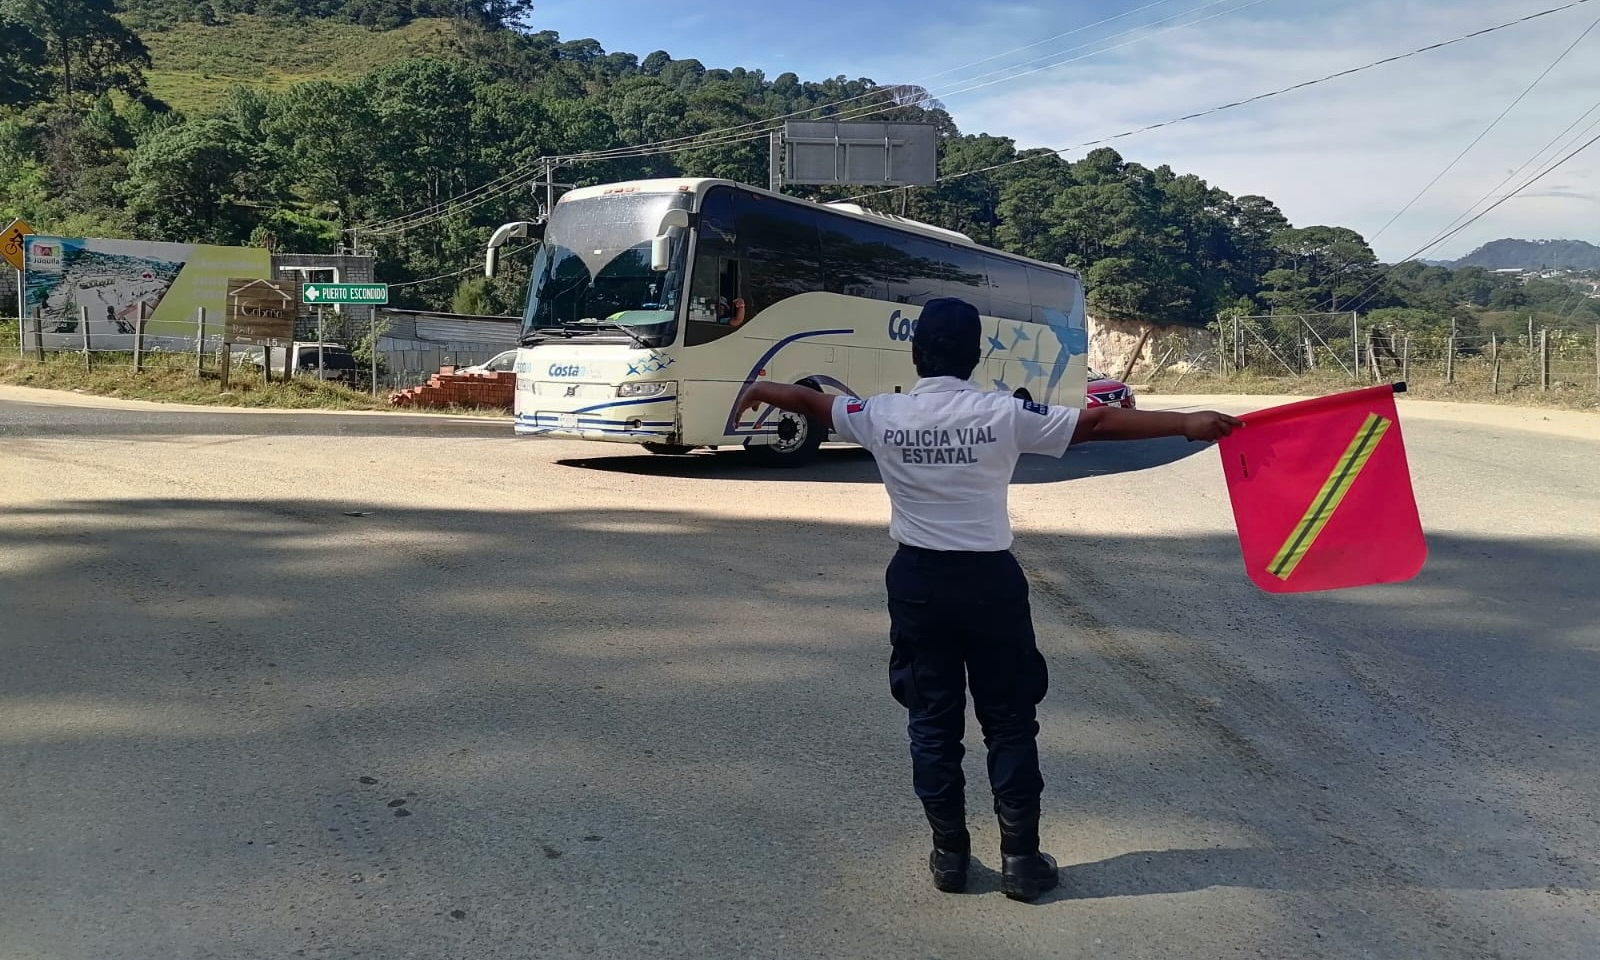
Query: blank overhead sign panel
[[863, 154]]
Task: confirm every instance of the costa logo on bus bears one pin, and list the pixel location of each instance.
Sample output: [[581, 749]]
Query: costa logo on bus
[[567, 370], [901, 327]]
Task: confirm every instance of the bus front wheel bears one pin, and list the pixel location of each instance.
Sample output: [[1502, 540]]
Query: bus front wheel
[[798, 438]]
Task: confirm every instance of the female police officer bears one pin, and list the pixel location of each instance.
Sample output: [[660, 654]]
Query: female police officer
[[958, 601]]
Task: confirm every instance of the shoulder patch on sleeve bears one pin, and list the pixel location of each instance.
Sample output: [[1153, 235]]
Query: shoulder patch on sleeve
[[853, 405], [1038, 408]]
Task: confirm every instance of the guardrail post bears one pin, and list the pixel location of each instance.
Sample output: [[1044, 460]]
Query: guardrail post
[[138, 340], [1355, 345], [1450, 354], [1544, 358], [199, 341]]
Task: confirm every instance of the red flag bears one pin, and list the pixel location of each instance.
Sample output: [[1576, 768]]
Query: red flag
[[1322, 494]]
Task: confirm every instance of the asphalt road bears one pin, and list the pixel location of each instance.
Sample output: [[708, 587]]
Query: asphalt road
[[286, 685]]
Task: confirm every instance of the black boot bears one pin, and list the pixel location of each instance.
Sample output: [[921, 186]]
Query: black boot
[[952, 848], [1025, 873]]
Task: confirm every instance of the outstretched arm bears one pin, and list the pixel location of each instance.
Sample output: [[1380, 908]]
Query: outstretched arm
[[787, 396], [1115, 423]]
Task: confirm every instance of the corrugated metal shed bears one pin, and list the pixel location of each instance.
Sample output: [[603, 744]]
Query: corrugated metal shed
[[439, 328]]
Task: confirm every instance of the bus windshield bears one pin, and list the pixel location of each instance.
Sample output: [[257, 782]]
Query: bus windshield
[[593, 268]]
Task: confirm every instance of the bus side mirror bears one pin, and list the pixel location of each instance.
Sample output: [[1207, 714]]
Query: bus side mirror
[[520, 230], [661, 246]]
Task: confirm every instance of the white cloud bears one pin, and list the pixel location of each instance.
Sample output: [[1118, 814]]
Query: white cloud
[[1349, 152]]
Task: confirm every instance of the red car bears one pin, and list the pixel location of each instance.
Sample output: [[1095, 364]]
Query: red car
[[1106, 392]]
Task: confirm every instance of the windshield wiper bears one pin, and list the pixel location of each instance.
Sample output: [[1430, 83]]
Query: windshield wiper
[[538, 335], [632, 334]]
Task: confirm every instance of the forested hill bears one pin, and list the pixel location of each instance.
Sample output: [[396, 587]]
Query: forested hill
[[252, 121], [383, 14], [1534, 255]]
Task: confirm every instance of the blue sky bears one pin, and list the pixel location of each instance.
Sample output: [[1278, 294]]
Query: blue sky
[[1351, 152]]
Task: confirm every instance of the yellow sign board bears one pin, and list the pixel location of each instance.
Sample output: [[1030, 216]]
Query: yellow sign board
[[11, 242]]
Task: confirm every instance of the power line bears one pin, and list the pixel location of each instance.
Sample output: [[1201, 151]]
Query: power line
[[762, 128], [444, 209], [455, 273], [1047, 152], [1535, 159], [1510, 196], [1373, 286], [1486, 130], [765, 123], [1376, 283], [1096, 53]]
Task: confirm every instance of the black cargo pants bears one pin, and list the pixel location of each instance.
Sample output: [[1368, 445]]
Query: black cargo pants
[[959, 619]]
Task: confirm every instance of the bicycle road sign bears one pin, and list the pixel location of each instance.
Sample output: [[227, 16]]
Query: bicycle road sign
[[11, 242]]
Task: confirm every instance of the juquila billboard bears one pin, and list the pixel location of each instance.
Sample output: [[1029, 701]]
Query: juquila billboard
[[113, 278]]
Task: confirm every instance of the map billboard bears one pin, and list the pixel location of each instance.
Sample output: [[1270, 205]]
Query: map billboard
[[114, 278]]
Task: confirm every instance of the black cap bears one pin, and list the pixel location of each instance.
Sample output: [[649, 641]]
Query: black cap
[[949, 333]]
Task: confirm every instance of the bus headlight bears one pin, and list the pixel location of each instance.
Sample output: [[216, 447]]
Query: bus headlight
[[648, 388]]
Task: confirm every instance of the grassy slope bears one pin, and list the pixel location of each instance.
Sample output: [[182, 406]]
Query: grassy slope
[[194, 65]]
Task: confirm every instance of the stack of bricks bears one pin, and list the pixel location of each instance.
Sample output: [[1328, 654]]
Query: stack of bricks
[[448, 388]]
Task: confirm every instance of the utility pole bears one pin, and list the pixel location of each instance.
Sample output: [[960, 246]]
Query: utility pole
[[775, 162], [549, 187]]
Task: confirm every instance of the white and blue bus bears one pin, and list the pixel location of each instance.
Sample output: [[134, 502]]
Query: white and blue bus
[[653, 304]]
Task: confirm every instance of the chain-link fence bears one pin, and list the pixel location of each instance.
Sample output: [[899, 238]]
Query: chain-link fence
[[1284, 349], [401, 364]]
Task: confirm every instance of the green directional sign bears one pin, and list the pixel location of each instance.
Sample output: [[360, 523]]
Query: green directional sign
[[361, 293]]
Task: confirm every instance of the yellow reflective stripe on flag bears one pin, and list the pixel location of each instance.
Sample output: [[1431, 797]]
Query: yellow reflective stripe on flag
[[1328, 498]]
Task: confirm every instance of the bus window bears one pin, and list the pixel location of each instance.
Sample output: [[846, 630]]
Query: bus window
[[917, 270], [1050, 290], [965, 277], [782, 250], [1008, 289], [856, 258], [716, 298]]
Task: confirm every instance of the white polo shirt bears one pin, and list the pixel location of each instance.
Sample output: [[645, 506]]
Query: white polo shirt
[[946, 452]]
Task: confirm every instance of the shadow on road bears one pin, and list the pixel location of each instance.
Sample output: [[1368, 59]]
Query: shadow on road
[[839, 464], [50, 421], [216, 709]]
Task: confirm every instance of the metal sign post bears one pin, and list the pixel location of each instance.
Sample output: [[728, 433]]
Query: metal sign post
[[13, 246], [372, 348]]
